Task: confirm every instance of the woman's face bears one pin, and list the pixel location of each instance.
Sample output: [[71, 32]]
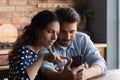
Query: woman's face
[[49, 34]]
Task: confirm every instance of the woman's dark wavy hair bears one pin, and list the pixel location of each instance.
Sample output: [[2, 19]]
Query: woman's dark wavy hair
[[38, 22], [67, 14]]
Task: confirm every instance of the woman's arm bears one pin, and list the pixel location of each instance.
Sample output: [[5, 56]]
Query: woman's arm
[[33, 68]]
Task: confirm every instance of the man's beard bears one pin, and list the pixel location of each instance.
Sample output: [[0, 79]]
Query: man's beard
[[65, 42]]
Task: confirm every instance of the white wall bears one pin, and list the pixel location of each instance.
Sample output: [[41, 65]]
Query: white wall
[[112, 34], [119, 33]]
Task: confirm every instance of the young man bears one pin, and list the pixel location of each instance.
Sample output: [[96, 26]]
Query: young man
[[71, 43]]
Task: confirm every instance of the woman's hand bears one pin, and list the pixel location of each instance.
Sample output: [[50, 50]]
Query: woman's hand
[[52, 57]]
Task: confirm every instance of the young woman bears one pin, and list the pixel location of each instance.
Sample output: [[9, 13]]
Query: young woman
[[24, 59]]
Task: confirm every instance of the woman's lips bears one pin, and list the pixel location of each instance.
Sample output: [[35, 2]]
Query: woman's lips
[[51, 43]]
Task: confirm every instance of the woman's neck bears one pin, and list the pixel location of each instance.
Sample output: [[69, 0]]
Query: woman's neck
[[34, 48]]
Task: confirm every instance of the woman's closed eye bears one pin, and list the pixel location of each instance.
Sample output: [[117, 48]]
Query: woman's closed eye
[[50, 31]]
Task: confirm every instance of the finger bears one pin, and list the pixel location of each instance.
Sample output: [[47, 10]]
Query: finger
[[84, 74], [58, 58], [63, 57], [81, 75], [68, 64], [52, 56], [79, 68], [59, 69]]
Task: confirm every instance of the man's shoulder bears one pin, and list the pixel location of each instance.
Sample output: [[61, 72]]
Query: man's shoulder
[[43, 51], [81, 35], [81, 38]]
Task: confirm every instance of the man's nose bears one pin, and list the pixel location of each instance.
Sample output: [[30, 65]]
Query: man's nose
[[67, 36]]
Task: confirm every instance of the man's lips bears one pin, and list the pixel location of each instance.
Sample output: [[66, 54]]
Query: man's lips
[[66, 40]]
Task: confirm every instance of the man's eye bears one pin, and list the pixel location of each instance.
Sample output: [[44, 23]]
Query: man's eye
[[49, 31], [72, 32]]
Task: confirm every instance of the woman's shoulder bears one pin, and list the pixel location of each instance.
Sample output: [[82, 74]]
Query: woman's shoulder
[[23, 49]]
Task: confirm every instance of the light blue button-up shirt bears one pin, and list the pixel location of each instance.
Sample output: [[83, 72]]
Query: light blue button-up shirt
[[81, 45]]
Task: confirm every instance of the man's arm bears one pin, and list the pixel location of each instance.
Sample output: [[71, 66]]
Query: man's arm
[[93, 71], [92, 57]]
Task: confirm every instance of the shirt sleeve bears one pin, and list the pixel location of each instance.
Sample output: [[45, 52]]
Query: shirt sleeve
[[46, 64], [92, 54]]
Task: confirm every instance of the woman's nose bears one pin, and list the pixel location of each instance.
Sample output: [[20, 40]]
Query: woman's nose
[[54, 37]]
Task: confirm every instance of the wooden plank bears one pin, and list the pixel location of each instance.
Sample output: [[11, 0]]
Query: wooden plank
[[4, 51], [101, 47]]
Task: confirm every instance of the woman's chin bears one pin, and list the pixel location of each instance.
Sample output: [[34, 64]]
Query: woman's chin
[[48, 46]]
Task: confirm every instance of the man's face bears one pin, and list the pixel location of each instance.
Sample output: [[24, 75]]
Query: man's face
[[67, 33]]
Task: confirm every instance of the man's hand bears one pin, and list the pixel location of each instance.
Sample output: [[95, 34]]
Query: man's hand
[[81, 75], [72, 74]]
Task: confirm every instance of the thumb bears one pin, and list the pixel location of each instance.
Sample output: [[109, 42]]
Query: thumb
[[68, 64]]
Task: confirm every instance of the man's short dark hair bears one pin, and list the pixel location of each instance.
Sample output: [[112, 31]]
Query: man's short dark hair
[[67, 14]]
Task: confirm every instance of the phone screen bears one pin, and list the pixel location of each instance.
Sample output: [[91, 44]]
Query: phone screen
[[77, 61]]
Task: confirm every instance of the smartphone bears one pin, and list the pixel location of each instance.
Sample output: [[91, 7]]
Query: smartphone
[[77, 61]]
